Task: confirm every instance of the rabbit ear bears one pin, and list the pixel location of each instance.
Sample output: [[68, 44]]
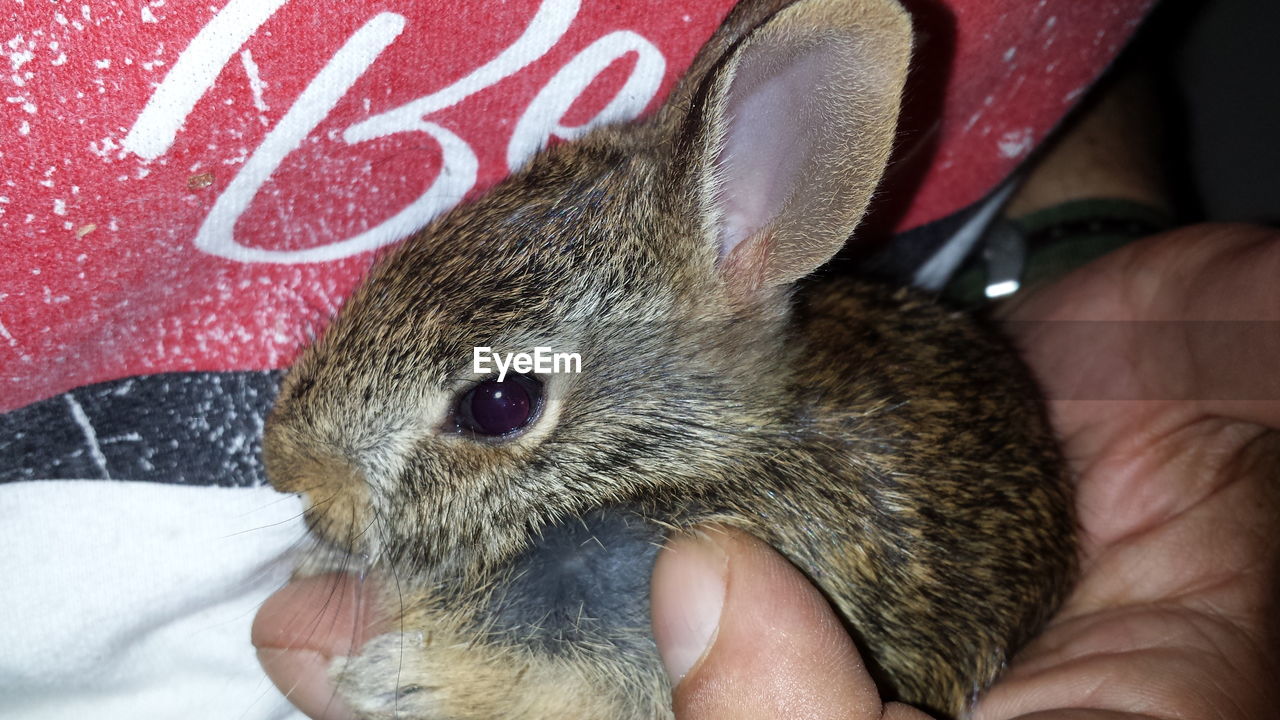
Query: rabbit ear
[[741, 20], [791, 134]]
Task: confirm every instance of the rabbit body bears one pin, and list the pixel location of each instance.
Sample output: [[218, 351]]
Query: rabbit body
[[894, 450]]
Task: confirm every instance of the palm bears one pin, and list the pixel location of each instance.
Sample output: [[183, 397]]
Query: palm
[[1171, 427]]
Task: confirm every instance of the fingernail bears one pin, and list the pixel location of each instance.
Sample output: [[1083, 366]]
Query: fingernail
[[303, 677], [688, 595]]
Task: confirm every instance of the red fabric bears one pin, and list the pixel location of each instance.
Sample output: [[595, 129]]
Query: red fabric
[[204, 232]]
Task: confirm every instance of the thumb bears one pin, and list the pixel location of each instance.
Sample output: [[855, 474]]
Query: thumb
[[300, 630], [744, 635]]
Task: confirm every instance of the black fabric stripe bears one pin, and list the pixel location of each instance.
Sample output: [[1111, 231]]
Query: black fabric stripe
[[183, 428]]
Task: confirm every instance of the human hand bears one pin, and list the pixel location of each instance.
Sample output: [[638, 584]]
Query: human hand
[[1171, 427], [1160, 365]]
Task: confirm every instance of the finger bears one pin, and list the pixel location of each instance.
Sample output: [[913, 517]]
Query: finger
[[301, 628], [744, 635], [1191, 317], [1136, 663]]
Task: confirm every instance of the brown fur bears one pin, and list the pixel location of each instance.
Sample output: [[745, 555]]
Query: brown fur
[[892, 449]]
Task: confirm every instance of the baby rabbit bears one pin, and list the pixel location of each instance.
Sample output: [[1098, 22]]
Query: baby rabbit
[[895, 451]]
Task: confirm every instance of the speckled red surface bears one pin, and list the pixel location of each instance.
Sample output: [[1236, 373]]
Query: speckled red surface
[[195, 186]]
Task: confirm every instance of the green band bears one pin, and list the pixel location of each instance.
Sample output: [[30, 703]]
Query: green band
[[1062, 238]]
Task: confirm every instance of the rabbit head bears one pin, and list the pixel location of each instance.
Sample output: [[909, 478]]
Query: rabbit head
[[662, 254]]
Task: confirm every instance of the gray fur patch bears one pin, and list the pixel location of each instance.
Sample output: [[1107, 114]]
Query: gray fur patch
[[583, 583]]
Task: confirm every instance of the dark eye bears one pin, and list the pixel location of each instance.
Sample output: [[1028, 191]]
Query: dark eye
[[494, 409]]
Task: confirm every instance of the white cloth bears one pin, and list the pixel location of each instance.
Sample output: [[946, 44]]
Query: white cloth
[[133, 600]]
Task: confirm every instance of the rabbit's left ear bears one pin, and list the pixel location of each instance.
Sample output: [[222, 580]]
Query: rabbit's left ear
[[792, 132]]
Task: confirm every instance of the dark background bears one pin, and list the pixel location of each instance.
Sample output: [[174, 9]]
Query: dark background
[[1221, 66]]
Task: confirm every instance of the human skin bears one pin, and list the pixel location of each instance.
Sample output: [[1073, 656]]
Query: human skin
[[1173, 432]]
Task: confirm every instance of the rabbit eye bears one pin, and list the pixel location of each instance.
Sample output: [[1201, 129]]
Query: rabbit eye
[[495, 409]]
